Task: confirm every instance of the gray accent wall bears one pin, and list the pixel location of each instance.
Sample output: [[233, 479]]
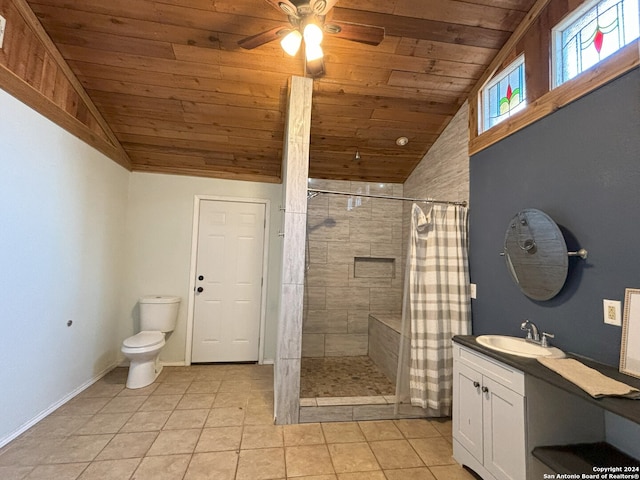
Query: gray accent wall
[[581, 165]]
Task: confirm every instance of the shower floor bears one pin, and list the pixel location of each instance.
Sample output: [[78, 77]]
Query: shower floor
[[343, 377]]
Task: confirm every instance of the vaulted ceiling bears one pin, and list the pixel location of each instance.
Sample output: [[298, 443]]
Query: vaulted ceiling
[[181, 96]]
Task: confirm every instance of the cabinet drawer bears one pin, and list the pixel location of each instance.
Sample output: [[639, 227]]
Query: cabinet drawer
[[509, 377]]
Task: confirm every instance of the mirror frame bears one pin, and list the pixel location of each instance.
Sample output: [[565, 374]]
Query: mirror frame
[[629, 350], [549, 245]]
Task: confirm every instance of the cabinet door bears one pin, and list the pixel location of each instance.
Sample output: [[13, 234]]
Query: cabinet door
[[467, 409], [504, 438]]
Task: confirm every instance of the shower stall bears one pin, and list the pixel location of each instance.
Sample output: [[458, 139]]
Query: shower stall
[[352, 360]]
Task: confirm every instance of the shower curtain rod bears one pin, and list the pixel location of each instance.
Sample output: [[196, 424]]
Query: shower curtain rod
[[389, 197]]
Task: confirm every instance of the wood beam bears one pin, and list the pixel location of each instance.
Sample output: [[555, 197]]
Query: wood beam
[[30, 95], [24, 92]]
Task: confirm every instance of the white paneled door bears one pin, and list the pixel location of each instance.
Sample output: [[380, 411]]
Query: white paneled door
[[227, 307]]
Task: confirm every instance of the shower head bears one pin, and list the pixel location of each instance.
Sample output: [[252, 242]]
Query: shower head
[[327, 222]]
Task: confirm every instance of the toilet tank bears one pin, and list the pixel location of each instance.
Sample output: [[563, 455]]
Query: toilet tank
[[159, 312]]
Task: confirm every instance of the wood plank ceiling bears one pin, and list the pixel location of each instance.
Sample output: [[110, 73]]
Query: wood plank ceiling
[[182, 97]]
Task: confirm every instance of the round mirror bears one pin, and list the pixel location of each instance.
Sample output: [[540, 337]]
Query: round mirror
[[536, 254]]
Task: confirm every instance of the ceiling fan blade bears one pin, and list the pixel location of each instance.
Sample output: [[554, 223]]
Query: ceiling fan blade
[[284, 6], [356, 32], [321, 7], [265, 37]]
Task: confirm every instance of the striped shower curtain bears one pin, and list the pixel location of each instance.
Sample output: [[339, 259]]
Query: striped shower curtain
[[439, 301]]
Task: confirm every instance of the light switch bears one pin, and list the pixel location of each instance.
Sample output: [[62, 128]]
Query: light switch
[[473, 290]]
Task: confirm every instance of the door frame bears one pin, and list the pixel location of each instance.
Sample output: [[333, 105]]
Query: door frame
[[194, 257]]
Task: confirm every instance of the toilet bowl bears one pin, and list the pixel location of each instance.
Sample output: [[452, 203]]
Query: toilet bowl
[[158, 314], [143, 352]]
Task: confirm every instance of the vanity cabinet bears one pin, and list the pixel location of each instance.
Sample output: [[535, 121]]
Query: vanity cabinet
[[488, 416]]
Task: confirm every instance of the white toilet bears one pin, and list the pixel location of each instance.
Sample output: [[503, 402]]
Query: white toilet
[[158, 315]]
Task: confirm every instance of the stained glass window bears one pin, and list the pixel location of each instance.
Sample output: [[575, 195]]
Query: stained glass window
[[592, 34], [504, 95]]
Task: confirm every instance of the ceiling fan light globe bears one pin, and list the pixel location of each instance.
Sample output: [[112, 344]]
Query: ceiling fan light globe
[[314, 52], [291, 42], [312, 34]]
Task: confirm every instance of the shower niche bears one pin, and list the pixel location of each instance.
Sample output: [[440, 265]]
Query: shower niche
[[374, 267]]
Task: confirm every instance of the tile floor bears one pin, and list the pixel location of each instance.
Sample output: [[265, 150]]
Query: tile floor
[[342, 377], [215, 422]]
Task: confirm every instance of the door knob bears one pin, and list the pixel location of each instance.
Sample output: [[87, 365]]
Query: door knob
[[200, 277], [485, 389], [476, 384], [200, 289]]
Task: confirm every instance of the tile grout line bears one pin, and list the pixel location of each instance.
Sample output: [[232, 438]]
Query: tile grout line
[[245, 423]]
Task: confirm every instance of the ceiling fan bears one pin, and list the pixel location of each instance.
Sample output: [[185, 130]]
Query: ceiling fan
[[308, 21]]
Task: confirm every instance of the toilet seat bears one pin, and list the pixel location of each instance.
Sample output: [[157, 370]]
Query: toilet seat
[[144, 339]]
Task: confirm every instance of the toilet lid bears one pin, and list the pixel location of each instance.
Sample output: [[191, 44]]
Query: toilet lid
[[144, 339]]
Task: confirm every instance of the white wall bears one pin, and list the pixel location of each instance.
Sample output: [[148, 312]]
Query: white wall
[[62, 217], [159, 231]]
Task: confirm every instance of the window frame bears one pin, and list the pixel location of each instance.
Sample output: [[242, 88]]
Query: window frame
[[557, 60], [497, 78]]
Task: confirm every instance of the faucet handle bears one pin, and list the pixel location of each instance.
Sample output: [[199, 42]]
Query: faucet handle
[[526, 327], [545, 337]]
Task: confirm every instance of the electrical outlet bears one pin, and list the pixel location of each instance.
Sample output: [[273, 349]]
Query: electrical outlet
[[474, 290], [3, 25], [611, 310]]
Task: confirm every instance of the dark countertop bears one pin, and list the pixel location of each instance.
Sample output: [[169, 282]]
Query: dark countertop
[[627, 408]]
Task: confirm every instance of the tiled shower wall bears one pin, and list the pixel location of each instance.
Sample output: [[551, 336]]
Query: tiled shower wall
[[340, 291], [443, 173]]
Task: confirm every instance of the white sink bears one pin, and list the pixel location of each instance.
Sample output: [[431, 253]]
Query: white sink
[[518, 346]]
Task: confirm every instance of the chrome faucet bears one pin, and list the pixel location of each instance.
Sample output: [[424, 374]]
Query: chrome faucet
[[532, 331], [533, 334]]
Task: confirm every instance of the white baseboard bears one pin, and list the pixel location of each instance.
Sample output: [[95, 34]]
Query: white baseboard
[[23, 428], [184, 363], [173, 364], [125, 363]]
